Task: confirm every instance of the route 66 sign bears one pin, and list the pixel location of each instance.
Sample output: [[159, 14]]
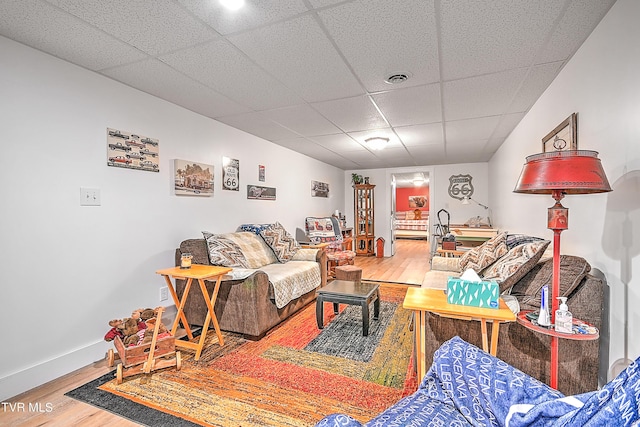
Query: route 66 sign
[[460, 186], [230, 174]]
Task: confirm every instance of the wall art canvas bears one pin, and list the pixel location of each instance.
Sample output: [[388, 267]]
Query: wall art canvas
[[319, 189], [417, 201], [192, 179], [230, 174], [132, 151], [258, 192], [563, 137], [261, 173]]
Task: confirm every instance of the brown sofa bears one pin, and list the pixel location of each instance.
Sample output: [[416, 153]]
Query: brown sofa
[[583, 364], [243, 306]]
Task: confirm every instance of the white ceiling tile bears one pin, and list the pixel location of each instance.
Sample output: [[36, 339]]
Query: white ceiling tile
[[338, 143], [302, 119], [46, 28], [427, 151], [363, 156], [393, 153], [257, 124], [381, 37], [488, 36], [255, 13], [507, 123], [471, 129], [469, 152], [352, 114], [323, 3], [493, 144], [417, 135], [299, 54], [487, 95], [157, 78], [222, 67], [574, 27], [154, 27], [539, 78], [413, 105]]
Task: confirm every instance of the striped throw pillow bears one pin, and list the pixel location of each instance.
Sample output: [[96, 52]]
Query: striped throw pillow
[[486, 254]]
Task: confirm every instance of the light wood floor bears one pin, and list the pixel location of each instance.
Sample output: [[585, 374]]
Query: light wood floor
[[409, 265]]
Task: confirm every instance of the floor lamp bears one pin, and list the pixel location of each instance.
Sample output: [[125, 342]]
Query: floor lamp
[[559, 173]]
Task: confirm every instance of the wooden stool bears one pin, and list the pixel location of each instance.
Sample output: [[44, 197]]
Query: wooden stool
[[349, 272]]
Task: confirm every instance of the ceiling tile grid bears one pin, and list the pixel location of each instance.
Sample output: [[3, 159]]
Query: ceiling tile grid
[[310, 74]]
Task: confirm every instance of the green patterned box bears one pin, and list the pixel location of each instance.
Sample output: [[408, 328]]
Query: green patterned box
[[477, 294]]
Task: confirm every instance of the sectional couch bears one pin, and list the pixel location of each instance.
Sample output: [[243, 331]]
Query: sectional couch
[[583, 364]]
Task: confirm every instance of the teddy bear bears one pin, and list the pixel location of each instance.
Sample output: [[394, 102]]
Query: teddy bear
[[115, 330], [151, 324]]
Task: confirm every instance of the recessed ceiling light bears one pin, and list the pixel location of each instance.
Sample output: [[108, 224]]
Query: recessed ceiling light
[[232, 4], [396, 78]]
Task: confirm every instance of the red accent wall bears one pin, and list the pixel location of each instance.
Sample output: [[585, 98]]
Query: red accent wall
[[402, 197]]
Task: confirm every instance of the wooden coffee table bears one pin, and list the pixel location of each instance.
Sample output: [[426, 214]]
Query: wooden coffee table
[[352, 293]]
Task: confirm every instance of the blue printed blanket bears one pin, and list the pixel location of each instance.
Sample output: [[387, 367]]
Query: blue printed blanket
[[468, 387]]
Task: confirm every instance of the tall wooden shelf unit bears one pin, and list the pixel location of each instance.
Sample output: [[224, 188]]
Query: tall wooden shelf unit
[[364, 221]]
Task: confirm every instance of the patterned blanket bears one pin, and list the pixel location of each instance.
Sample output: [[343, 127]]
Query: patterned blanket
[[468, 387]]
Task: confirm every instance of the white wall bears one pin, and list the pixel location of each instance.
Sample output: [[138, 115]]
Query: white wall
[[69, 269], [602, 84], [438, 197]]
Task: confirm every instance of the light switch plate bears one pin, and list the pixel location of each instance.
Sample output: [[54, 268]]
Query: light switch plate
[[89, 196]]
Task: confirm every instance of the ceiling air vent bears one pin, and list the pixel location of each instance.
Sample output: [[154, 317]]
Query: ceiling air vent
[[397, 78]]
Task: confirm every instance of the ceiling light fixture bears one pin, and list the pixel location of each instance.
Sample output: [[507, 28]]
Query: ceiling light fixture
[[377, 142], [396, 78], [418, 181], [232, 4]]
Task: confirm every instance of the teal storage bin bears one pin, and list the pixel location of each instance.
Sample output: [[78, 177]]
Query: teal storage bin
[[476, 294]]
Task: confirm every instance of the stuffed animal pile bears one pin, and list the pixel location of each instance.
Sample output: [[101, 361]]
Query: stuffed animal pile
[[137, 329]]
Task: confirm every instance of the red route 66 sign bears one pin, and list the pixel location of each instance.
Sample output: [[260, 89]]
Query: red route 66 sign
[[460, 186]]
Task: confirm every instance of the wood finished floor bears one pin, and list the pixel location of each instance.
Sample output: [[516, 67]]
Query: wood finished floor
[[408, 265]]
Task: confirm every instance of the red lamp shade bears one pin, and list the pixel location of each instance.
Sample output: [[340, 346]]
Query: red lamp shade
[[570, 172]]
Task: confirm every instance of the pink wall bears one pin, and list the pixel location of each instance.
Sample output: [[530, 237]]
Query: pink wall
[[402, 197]]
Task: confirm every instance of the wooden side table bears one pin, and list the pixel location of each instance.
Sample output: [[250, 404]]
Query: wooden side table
[[553, 380], [200, 273], [450, 253], [423, 300]]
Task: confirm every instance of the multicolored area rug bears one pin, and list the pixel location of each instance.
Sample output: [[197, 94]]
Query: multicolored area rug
[[294, 376]]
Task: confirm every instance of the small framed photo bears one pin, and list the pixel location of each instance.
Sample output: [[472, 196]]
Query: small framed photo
[[564, 137]]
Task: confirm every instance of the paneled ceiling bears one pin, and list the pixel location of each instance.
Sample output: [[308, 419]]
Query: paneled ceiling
[[310, 74]]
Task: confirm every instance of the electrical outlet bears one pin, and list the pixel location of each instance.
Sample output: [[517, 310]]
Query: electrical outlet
[[164, 294], [89, 196]]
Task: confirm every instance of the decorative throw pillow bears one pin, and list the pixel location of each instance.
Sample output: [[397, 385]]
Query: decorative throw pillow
[[486, 254], [410, 215], [572, 270], [284, 246], [224, 252], [515, 264], [321, 230], [514, 240]]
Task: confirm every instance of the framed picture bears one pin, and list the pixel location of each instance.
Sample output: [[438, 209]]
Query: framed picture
[[563, 137], [319, 189], [258, 192], [418, 201], [192, 179], [131, 151], [261, 173]]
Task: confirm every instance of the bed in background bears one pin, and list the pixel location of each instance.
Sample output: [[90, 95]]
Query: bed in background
[[412, 224]]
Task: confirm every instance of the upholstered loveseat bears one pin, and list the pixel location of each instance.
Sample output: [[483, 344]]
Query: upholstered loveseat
[[583, 364], [265, 286]]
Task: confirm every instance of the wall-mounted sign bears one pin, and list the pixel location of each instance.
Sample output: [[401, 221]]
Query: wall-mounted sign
[[230, 174], [460, 186]]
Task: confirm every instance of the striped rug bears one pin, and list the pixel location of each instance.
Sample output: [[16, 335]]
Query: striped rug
[[291, 377]]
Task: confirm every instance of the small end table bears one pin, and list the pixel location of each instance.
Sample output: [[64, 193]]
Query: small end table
[[553, 380], [200, 273], [421, 300]]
